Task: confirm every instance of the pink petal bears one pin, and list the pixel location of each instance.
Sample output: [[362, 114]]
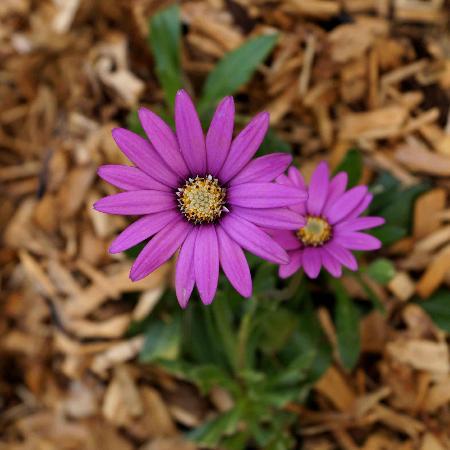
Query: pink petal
[[264, 195], [184, 272], [318, 189], [160, 248], [331, 264], [253, 239], [357, 241], [287, 239], [234, 264], [294, 264], [139, 151], [164, 141], [129, 178], [335, 190], [142, 229], [342, 255], [362, 206], [312, 261], [244, 146], [135, 203], [346, 203], [296, 177], [190, 134], [276, 218], [206, 262], [359, 223], [219, 136], [264, 168]]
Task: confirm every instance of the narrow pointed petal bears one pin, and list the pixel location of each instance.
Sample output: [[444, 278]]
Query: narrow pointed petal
[[359, 223], [296, 177], [206, 263], [142, 229], [336, 188], [190, 134], [264, 168], [160, 248], [139, 151], [331, 264], [184, 272], [264, 195], [362, 206], [344, 256], [129, 178], [219, 136], [357, 241], [164, 141], [136, 203], [234, 264], [284, 180], [318, 189], [275, 218], [253, 239], [294, 264], [312, 261], [346, 203], [244, 146], [287, 239]]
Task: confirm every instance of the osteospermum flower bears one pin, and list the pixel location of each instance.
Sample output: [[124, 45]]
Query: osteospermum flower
[[332, 224], [206, 197]]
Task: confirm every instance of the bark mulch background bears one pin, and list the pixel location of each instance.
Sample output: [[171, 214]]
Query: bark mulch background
[[367, 74]]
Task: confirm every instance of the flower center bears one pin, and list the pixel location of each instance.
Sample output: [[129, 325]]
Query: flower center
[[316, 232], [202, 199]]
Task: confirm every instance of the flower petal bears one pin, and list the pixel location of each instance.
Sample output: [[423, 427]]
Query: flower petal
[[359, 223], [160, 248], [234, 264], [244, 146], [335, 190], [190, 134], [219, 136], [206, 262], [362, 206], [342, 255], [135, 203], [318, 189], [139, 151], [294, 264], [264, 168], [275, 218], [312, 261], [357, 241], [129, 178], [287, 239], [164, 141], [296, 177], [330, 263], [142, 229], [253, 239], [346, 203], [264, 195], [184, 272]]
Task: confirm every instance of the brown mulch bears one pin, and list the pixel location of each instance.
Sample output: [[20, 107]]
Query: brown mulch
[[70, 70]]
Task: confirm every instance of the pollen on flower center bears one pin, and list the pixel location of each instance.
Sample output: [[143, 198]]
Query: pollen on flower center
[[316, 232], [202, 199]]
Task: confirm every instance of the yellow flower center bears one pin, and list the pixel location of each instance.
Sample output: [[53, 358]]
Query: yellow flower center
[[202, 199], [316, 232]]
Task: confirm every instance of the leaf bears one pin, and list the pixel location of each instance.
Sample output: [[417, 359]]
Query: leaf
[[234, 70], [164, 39], [162, 341], [272, 143], [347, 327], [381, 270], [264, 279], [353, 165], [133, 252], [134, 124], [388, 234], [438, 308]]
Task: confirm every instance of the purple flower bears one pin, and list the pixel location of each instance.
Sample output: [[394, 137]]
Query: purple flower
[[204, 196], [333, 226]]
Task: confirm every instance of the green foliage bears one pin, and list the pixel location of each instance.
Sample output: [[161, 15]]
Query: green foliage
[[353, 165], [347, 326], [272, 143], [234, 70], [381, 270], [438, 308], [164, 40]]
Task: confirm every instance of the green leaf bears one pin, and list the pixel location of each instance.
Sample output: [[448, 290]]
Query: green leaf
[[133, 252], [438, 308], [165, 42], [134, 124], [388, 234], [381, 270], [347, 326], [272, 143], [162, 341], [234, 70], [353, 165]]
